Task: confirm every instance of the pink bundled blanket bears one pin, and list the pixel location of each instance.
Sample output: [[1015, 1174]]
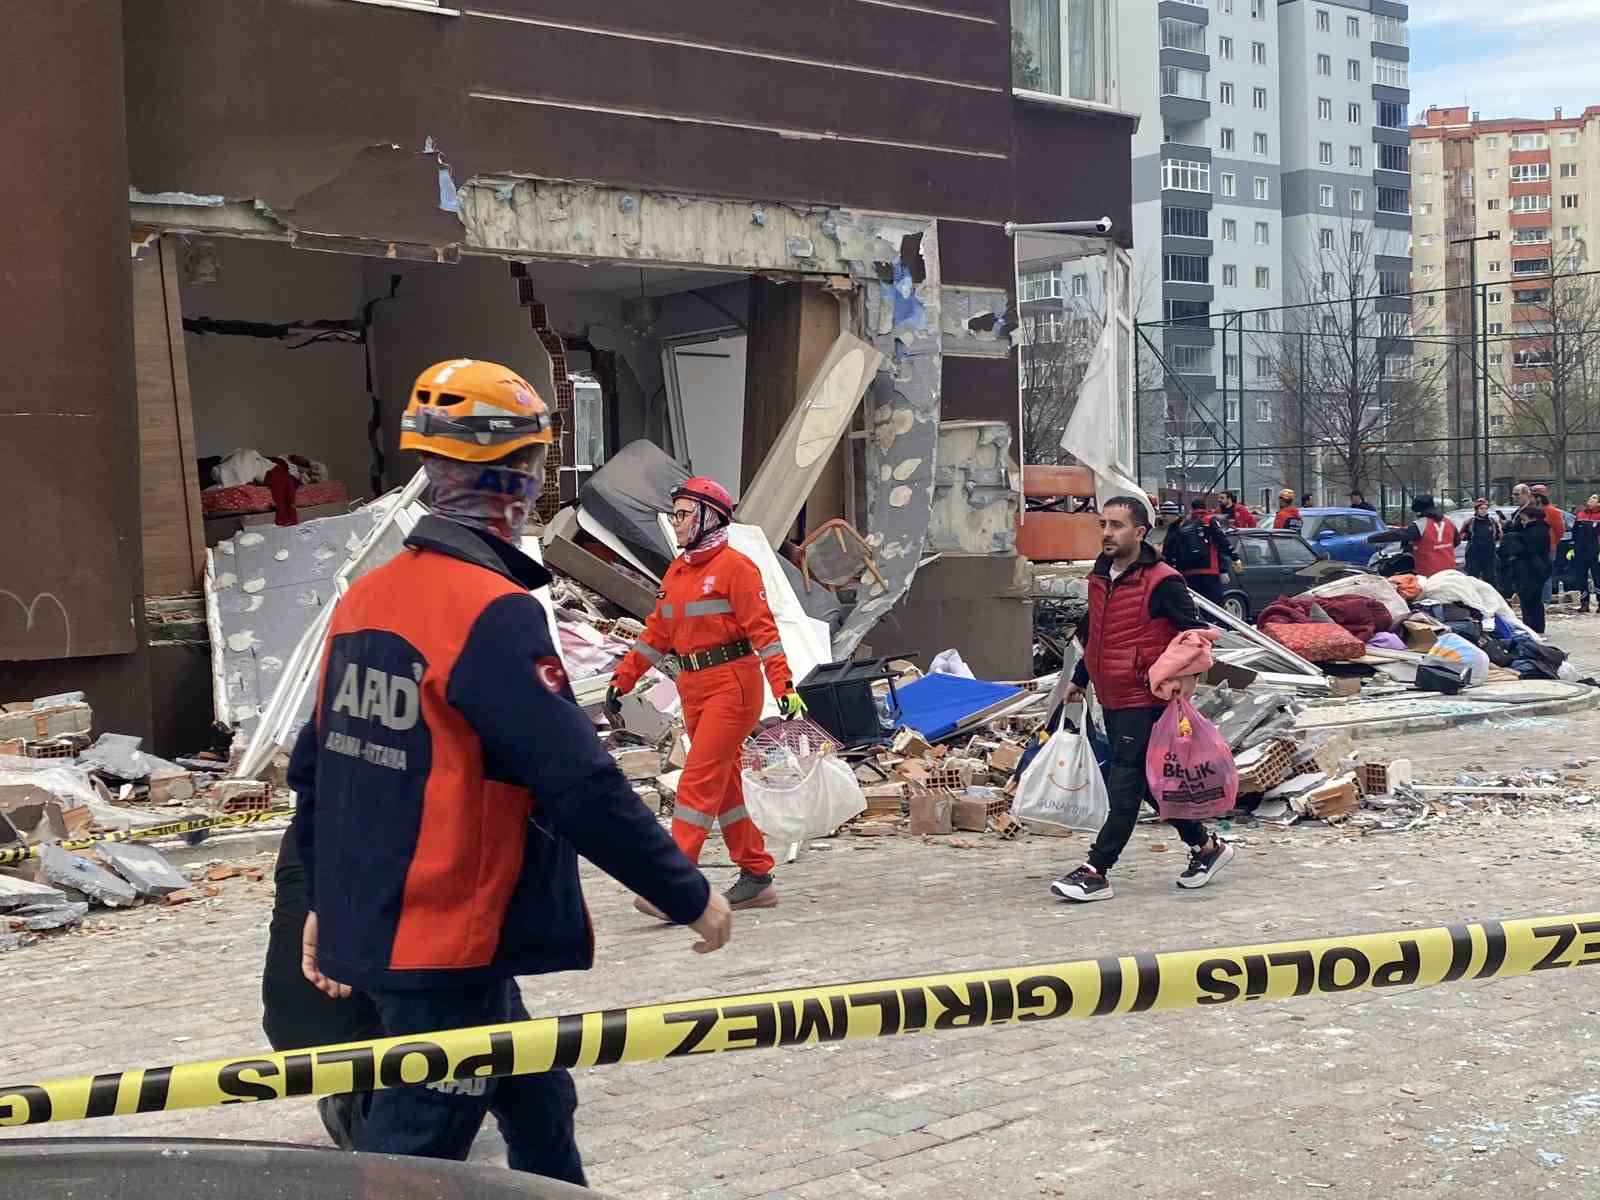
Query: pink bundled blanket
[[1186, 658]]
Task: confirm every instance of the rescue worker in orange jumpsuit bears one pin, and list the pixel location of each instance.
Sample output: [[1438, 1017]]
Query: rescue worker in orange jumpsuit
[[712, 613]]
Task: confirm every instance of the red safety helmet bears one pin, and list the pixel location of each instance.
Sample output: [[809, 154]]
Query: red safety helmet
[[1539, 489], [708, 492]]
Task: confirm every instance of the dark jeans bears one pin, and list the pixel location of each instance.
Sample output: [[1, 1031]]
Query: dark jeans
[[1583, 570], [294, 1014], [1129, 730], [440, 1120], [1530, 589], [1481, 564], [1209, 586]]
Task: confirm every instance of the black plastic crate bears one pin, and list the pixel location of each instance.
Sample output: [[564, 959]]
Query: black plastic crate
[[839, 697]]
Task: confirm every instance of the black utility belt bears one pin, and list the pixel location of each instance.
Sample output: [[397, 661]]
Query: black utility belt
[[716, 656]]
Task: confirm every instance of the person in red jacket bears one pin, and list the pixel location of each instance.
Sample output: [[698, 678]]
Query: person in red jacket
[[1237, 514], [712, 613], [1288, 516], [1137, 605]]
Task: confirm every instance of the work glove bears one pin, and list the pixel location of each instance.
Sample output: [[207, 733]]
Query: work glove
[[791, 705], [613, 703]]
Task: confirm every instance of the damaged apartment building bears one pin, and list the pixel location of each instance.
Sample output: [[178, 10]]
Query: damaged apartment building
[[247, 225]]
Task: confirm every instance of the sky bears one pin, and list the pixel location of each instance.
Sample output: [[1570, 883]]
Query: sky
[[1505, 58]]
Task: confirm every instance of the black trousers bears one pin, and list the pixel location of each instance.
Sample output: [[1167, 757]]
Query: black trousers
[[1584, 570], [1129, 730], [1530, 590], [1209, 586], [1481, 564], [294, 1014]]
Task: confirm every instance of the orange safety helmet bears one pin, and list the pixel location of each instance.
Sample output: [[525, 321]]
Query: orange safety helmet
[[474, 411]]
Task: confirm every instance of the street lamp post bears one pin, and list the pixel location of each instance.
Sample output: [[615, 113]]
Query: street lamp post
[[1479, 475]]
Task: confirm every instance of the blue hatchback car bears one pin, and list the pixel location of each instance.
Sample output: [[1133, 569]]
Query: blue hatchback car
[[1341, 533]]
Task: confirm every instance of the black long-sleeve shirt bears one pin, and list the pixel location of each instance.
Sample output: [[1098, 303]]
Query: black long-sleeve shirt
[[1170, 599]]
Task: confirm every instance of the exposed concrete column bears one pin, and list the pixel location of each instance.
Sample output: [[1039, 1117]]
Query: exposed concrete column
[[71, 570]]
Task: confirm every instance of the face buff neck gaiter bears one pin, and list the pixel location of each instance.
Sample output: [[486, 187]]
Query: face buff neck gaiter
[[493, 497]]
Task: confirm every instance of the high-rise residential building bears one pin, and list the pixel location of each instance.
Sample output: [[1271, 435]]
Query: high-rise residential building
[[1272, 132], [1526, 188]]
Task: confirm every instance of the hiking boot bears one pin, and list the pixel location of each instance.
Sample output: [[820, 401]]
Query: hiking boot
[[340, 1115], [751, 891], [1205, 862], [1584, 607], [1083, 885], [648, 909]]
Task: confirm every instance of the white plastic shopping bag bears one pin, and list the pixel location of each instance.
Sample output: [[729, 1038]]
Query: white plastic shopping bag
[[795, 786], [1063, 785]]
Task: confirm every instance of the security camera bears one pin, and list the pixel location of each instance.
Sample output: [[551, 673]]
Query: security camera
[[1103, 226]]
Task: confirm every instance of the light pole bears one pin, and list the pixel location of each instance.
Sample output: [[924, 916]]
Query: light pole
[[1479, 475]]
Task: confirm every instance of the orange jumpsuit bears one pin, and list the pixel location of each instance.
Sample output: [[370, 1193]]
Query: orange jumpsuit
[[702, 606]]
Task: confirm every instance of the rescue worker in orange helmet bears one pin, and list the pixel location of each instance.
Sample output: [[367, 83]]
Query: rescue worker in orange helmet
[[712, 613]]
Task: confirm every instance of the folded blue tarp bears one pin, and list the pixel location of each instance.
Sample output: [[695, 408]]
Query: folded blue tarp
[[936, 704]]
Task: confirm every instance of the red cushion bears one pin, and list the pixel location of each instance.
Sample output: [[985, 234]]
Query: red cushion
[[1317, 642], [253, 498]]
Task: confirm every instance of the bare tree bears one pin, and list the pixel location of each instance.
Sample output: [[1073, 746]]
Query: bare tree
[[1055, 354], [1552, 401], [1343, 361]]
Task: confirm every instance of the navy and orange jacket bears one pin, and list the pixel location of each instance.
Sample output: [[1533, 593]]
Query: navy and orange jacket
[[448, 781], [705, 605]]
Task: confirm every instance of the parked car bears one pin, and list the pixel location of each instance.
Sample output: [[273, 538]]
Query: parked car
[[1277, 562], [1341, 533]]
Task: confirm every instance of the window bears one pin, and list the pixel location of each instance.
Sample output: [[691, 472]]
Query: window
[[1264, 322], [1496, 266], [1262, 189], [1493, 173], [1264, 409], [1258, 99], [1530, 141], [1352, 113], [1533, 234], [1569, 137], [1230, 410], [1323, 22], [1263, 233], [1429, 270], [1060, 49], [1228, 186], [1325, 64], [1263, 366], [1569, 170], [1230, 366], [1180, 81], [1390, 72], [1352, 26], [1391, 115], [1183, 222], [1527, 388], [1225, 48], [1394, 158], [1230, 275], [1325, 195], [1264, 278], [1529, 172], [1391, 30], [1568, 200], [1497, 358], [1537, 203], [1189, 312], [1193, 453], [1041, 285], [1225, 7], [1225, 93], [1355, 156], [1230, 229], [1225, 139], [1394, 200], [1185, 176], [1492, 205], [1358, 199], [1186, 268], [1183, 35], [1258, 53], [1391, 283], [1325, 239], [1569, 233], [1324, 109], [1258, 9], [1357, 242], [1429, 239], [1080, 285], [1260, 145], [1191, 360], [1531, 266], [1352, 69], [1327, 283], [1425, 209], [1325, 153], [1491, 143]]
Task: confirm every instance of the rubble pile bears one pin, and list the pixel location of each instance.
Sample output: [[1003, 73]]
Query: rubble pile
[[65, 791]]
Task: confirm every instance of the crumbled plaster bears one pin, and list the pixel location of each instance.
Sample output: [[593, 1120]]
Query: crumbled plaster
[[975, 490], [976, 322]]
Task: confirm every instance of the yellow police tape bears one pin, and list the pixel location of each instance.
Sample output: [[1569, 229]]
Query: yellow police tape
[[1095, 987], [150, 832]]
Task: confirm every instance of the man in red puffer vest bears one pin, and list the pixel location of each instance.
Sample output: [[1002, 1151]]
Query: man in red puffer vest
[[1137, 605]]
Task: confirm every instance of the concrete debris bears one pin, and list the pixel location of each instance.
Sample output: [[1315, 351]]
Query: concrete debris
[[75, 873], [151, 875], [45, 916], [51, 717], [117, 756]]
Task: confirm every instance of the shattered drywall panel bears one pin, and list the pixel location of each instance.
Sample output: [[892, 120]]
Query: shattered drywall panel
[[561, 219], [895, 261], [976, 322], [268, 584], [975, 506]]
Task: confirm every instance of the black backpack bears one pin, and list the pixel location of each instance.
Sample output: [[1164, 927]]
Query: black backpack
[[1193, 549]]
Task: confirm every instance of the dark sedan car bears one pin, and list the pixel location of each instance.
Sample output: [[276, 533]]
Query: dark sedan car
[[1277, 562]]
